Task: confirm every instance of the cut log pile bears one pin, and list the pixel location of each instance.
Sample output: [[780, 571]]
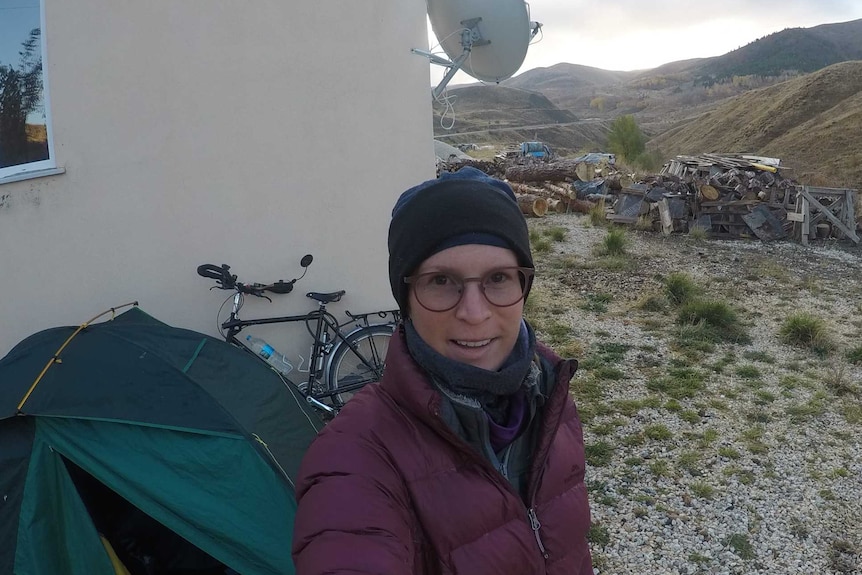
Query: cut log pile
[[725, 195]]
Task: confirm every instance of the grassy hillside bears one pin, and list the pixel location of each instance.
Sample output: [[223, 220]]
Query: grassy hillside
[[483, 107], [799, 50], [814, 123], [505, 116]]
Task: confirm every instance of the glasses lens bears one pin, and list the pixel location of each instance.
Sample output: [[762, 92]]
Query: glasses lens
[[437, 291], [504, 287]]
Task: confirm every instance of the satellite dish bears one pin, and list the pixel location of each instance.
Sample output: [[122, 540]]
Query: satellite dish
[[488, 39]]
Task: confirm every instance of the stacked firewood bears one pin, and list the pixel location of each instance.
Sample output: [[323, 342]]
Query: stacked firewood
[[541, 187]]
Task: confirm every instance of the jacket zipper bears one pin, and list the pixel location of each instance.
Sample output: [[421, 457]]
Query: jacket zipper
[[535, 526], [531, 512]]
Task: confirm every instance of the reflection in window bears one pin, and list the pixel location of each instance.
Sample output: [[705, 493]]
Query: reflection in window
[[24, 127]]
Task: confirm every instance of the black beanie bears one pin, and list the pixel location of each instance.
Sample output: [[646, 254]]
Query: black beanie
[[457, 206]]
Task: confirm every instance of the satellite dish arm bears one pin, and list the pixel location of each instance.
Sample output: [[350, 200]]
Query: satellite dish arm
[[470, 36], [453, 69]]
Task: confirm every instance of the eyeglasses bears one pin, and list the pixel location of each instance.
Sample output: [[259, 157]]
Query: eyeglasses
[[442, 291]]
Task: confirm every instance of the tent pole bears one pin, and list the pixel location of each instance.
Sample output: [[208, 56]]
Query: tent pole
[[56, 357]]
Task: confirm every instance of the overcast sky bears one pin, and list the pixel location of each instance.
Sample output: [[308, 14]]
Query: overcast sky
[[17, 18], [635, 35]]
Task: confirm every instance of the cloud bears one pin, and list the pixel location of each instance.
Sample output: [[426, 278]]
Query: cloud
[[632, 34]]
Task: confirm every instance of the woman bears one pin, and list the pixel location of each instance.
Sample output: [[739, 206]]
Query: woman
[[468, 456]]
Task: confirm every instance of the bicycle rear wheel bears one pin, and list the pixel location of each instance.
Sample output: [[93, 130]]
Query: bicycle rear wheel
[[357, 361]]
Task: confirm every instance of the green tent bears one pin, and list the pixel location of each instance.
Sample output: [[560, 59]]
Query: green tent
[[172, 449]]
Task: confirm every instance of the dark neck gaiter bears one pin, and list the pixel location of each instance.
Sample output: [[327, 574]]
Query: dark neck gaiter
[[486, 387]]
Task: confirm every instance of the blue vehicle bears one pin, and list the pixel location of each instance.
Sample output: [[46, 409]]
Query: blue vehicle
[[536, 150]]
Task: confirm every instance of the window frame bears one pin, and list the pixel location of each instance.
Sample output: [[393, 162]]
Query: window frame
[[47, 166]]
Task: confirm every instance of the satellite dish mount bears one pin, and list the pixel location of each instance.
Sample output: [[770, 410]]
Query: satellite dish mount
[[471, 37]]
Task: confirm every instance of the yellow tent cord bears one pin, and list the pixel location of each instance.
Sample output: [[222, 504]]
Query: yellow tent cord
[[56, 357]]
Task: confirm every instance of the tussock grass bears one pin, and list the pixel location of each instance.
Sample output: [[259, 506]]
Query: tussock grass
[[599, 454], [702, 490], [651, 303], [855, 355], [718, 319], [680, 288], [541, 246], [838, 381], [698, 233], [598, 213], [614, 244], [598, 535], [761, 356], [741, 546], [807, 331], [644, 223], [556, 233], [678, 383], [658, 432], [596, 302], [748, 372]]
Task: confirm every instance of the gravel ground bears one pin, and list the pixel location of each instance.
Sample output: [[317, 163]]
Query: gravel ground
[[759, 471]]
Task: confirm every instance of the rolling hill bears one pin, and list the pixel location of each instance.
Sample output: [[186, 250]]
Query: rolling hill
[[813, 122], [795, 94]]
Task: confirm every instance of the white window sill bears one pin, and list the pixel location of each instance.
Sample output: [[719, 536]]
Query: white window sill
[[30, 175]]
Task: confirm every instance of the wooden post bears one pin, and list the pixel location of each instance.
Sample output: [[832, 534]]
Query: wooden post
[[664, 214], [806, 220], [848, 231]]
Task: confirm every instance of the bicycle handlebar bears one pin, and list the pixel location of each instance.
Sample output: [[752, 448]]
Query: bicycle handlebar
[[221, 274], [226, 280]]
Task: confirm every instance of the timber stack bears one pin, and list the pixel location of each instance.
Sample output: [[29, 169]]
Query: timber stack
[[725, 195]]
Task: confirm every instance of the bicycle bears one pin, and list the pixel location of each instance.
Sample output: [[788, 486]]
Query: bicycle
[[344, 357]]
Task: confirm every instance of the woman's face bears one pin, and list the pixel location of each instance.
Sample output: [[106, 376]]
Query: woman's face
[[475, 331]]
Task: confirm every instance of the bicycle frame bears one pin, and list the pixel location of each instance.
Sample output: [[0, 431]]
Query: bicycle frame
[[326, 325]]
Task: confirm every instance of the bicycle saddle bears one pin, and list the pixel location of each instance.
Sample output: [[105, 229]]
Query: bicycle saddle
[[326, 297]]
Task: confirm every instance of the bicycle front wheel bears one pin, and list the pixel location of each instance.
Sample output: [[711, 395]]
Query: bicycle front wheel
[[357, 361]]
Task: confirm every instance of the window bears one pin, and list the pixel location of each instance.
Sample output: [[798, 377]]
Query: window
[[25, 128]]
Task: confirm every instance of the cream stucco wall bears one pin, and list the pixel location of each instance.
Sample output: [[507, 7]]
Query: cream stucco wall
[[247, 133]]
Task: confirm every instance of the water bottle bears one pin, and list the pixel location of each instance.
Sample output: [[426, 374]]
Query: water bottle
[[273, 357]]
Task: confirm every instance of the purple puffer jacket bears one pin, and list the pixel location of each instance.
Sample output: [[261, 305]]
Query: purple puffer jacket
[[388, 488]]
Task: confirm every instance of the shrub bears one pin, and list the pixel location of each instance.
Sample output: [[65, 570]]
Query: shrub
[[625, 138]]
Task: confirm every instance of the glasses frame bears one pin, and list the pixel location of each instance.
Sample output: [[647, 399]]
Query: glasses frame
[[529, 274]]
